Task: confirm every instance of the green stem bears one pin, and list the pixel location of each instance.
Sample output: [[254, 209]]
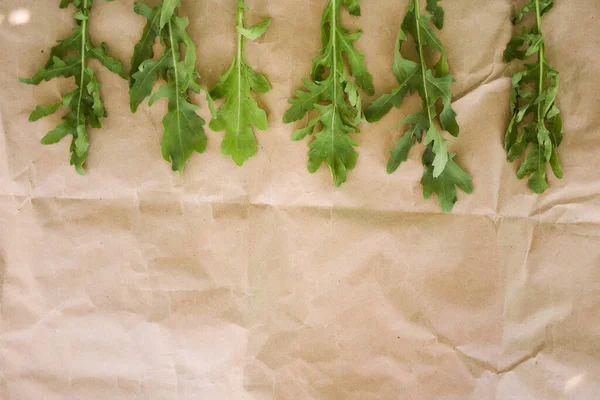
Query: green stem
[[333, 72], [83, 43], [240, 56], [538, 16], [240, 23], [422, 58], [176, 76]]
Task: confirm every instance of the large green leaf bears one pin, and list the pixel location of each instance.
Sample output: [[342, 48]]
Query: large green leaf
[[84, 104], [183, 128], [332, 95], [535, 127], [434, 88], [240, 112]]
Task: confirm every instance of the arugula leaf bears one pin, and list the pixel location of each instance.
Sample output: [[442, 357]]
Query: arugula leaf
[[438, 13], [84, 104], [241, 111], [183, 127], [333, 96], [441, 174], [536, 125]]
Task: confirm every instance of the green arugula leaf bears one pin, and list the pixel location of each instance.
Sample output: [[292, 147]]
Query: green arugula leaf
[[445, 185], [84, 105], [183, 127], [167, 11], [143, 50], [113, 65], [536, 127], [441, 174], [241, 112], [333, 96], [539, 7], [438, 13], [353, 7]]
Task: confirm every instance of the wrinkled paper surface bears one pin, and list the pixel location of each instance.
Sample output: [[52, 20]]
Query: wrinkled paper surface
[[265, 282]]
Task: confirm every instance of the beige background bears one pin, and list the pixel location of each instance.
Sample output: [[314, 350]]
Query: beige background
[[265, 282]]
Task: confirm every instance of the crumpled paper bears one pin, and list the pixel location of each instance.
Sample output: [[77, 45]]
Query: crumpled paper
[[265, 282]]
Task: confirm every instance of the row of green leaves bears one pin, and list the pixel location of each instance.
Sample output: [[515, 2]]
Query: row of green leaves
[[330, 96], [183, 127], [335, 100]]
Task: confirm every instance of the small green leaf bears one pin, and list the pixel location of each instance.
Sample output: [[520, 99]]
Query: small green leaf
[[112, 64], [529, 7], [55, 135], [555, 164], [516, 151], [353, 7], [513, 49], [301, 133], [439, 149], [42, 111], [66, 45], [80, 16], [167, 11], [82, 141], [305, 100], [438, 13], [145, 78], [356, 61], [400, 151], [163, 92], [534, 41], [57, 68], [184, 132], [444, 185], [333, 145], [143, 50], [255, 31]]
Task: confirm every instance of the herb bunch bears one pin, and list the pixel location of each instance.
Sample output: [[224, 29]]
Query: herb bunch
[[84, 104], [442, 174], [241, 111], [183, 128], [334, 97], [536, 126]]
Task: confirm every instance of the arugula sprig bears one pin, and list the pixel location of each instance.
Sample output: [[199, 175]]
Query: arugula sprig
[[442, 174], [335, 98], [84, 104], [183, 128], [241, 111], [536, 124]]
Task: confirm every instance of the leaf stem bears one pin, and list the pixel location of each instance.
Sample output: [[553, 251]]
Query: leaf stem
[[176, 73], [240, 56], [83, 47], [422, 57], [240, 23], [334, 15], [540, 57]]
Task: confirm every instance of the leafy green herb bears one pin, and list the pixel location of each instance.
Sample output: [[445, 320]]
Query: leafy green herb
[[183, 128], [240, 111], [335, 98], [536, 124], [442, 174], [84, 104]]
